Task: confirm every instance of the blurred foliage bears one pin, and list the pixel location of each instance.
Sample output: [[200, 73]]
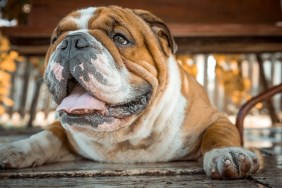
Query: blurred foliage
[[229, 74], [7, 66], [39, 64], [187, 64]]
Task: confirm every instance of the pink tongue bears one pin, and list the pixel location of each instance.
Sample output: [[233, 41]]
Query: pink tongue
[[80, 99]]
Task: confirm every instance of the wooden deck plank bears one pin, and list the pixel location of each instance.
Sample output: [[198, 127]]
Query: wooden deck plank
[[94, 169], [199, 180], [271, 174], [87, 173], [92, 174]]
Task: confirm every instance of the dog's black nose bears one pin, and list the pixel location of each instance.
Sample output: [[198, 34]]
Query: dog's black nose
[[74, 42]]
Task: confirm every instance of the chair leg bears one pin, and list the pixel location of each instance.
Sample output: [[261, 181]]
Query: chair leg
[[269, 103], [34, 102], [266, 95]]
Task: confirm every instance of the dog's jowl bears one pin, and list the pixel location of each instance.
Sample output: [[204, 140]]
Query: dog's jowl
[[123, 98]]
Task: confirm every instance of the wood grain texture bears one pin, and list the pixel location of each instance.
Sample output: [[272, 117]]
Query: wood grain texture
[[236, 26], [271, 174], [93, 169], [181, 11], [178, 30], [91, 174], [129, 181]]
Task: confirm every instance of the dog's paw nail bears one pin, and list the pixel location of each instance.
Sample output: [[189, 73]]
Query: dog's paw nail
[[255, 160], [242, 157], [227, 163]]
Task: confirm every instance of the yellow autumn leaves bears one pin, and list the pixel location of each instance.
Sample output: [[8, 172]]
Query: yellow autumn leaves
[[187, 64], [7, 66], [236, 86]]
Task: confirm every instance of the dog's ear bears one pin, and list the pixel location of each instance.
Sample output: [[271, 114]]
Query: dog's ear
[[159, 28]]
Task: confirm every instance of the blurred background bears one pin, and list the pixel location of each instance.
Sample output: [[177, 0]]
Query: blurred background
[[233, 48]]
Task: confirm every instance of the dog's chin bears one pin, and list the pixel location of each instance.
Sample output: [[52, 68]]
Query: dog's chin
[[94, 121], [105, 117]]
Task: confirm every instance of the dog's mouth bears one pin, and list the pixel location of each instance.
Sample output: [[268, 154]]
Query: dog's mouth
[[81, 108]]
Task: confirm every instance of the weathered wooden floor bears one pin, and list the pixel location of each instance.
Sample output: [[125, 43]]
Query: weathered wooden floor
[[91, 174]]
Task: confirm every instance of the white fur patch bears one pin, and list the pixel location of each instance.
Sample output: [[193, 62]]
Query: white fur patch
[[78, 31], [165, 120], [40, 148], [85, 15], [85, 147], [171, 116]]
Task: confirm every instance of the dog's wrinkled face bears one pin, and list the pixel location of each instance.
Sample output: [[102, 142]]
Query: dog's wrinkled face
[[103, 66]]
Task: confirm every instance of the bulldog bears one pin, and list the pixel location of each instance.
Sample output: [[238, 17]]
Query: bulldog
[[123, 98]]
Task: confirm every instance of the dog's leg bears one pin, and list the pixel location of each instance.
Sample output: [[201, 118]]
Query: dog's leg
[[48, 146], [223, 156]]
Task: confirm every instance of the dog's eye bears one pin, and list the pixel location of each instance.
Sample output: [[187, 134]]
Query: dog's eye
[[120, 39]]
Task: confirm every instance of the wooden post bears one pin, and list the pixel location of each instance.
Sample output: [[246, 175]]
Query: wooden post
[[269, 104], [265, 95], [33, 106], [26, 76], [10, 109]]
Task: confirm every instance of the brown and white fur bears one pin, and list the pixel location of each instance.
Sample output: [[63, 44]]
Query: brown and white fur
[[176, 121]]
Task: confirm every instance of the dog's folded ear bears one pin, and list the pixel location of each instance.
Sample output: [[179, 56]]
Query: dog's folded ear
[[159, 28]]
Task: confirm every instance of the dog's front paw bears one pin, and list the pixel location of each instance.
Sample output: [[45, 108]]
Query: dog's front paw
[[230, 162], [16, 155]]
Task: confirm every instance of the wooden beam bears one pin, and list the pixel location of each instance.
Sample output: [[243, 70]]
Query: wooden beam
[[47, 13], [178, 30], [225, 30], [191, 38], [247, 44]]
